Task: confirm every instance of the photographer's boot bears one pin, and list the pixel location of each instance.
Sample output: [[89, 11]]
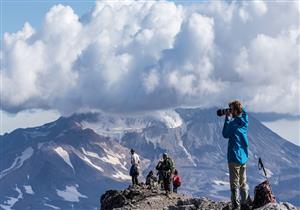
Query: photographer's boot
[[244, 197], [234, 200]]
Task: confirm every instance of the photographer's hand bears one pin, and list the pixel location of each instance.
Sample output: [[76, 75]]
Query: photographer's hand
[[227, 115]]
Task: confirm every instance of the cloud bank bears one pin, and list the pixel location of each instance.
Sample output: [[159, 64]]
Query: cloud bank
[[134, 56]]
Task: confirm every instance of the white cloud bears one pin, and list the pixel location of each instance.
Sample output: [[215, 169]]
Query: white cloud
[[151, 81], [268, 63], [130, 56]]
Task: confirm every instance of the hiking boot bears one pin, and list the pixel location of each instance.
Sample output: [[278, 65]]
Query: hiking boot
[[245, 207], [235, 207]]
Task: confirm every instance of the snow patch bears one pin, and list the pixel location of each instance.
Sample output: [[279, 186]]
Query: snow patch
[[108, 158], [189, 156], [18, 162], [70, 194], [219, 185], [222, 183], [51, 206], [111, 159], [88, 161], [64, 155], [11, 201], [28, 189], [121, 175], [91, 154]]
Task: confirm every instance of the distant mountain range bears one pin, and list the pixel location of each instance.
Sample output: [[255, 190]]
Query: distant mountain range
[[69, 163], [272, 116]]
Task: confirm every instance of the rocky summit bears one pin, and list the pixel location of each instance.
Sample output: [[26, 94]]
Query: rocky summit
[[141, 197]]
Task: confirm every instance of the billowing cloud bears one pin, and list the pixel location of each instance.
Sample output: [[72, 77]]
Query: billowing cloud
[[133, 56]]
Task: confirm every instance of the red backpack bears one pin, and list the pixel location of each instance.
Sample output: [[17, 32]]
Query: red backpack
[[176, 180], [263, 192]]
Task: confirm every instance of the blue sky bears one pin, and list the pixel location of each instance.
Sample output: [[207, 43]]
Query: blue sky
[[133, 57], [16, 13]]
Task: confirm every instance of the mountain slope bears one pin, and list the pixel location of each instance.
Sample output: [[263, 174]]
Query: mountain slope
[[58, 165]]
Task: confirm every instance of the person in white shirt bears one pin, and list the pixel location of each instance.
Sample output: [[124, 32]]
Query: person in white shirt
[[134, 170]]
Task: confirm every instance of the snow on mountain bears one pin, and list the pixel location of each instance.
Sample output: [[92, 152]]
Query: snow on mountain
[[70, 194], [10, 201], [18, 162], [69, 163], [67, 168], [28, 189], [64, 155]]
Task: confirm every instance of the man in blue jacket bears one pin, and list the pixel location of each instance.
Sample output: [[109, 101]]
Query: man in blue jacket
[[236, 130]]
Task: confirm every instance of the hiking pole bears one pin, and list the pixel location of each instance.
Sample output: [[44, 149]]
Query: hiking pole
[[261, 166]]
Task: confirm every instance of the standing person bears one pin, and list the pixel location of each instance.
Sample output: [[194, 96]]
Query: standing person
[[176, 181], [134, 170], [160, 174], [236, 130], [167, 169]]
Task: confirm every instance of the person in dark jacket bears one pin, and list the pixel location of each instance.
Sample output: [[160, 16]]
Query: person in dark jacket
[[167, 170], [160, 174], [236, 131]]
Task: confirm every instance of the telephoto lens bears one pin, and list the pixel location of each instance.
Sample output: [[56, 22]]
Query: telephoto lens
[[221, 112]]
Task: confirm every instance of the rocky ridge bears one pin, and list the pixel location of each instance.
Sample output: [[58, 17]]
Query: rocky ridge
[[141, 197]]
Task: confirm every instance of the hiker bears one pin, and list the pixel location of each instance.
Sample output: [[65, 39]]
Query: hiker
[[176, 181], [236, 130], [166, 170], [151, 180], [160, 174], [134, 170]]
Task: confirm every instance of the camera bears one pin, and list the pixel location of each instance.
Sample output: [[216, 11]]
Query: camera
[[221, 112]]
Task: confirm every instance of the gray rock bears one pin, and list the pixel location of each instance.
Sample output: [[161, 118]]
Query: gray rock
[[142, 198]]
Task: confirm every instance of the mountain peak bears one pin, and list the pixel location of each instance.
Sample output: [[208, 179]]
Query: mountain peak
[[141, 197]]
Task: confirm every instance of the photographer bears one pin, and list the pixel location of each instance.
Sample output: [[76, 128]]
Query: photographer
[[236, 130]]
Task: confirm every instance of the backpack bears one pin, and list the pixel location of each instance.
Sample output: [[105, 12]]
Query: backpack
[[263, 192], [263, 195], [177, 181], [159, 166], [168, 164]]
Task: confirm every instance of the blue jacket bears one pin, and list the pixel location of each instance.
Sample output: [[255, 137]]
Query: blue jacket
[[236, 130]]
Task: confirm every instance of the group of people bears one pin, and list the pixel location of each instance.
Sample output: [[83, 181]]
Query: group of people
[[235, 129], [166, 173]]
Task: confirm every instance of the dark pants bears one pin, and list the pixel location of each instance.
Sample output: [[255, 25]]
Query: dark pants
[[135, 180], [167, 182], [175, 188]]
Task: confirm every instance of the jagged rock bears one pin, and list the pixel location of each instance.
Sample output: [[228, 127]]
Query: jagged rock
[[142, 198], [112, 199], [278, 206]]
